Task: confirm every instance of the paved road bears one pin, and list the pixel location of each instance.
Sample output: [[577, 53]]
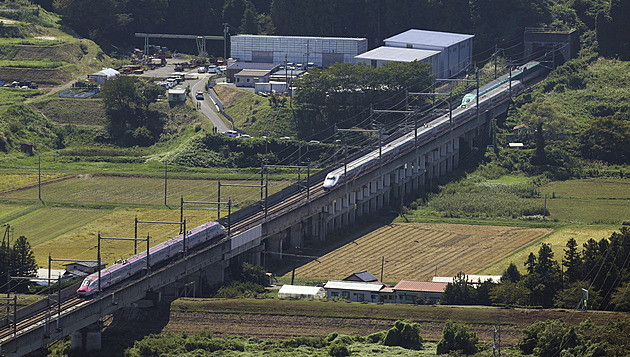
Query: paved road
[[207, 107]]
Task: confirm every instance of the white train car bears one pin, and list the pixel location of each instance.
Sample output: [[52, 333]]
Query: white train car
[[495, 91], [157, 254]]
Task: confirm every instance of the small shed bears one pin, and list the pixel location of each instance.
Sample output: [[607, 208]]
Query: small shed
[[249, 77], [102, 76], [235, 67], [176, 95], [301, 292], [84, 268]]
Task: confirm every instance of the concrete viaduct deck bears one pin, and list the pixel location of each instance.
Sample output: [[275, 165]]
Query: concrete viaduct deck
[[291, 218]]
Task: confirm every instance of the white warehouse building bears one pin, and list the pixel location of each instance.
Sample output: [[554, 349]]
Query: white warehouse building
[[455, 49], [381, 55], [322, 51]]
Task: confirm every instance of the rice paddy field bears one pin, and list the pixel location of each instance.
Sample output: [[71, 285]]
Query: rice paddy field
[[419, 251], [591, 201], [74, 209]]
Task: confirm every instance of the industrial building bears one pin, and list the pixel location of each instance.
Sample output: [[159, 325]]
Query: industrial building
[[455, 49], [381, 55], [320, 51]]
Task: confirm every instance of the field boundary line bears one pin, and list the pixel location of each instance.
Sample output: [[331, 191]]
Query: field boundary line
[[28, 187]]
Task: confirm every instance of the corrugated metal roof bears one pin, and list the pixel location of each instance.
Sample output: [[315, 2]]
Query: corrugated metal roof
[[253, 72], [251, 65], [353, 285], [397, 54], [430, 38], [300, 290], [302, 37], [470, 278], [425, 286]]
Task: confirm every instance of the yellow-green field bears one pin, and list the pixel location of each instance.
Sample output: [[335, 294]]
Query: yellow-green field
[[81, 242], [13, 181], [557, 240], [145, 190]]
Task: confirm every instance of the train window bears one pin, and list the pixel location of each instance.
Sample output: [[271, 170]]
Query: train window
[[86, 282]]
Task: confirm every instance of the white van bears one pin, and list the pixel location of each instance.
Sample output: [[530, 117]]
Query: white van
[[231, 133]]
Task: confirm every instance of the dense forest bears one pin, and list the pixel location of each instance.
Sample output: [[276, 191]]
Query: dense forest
[[112, 23]]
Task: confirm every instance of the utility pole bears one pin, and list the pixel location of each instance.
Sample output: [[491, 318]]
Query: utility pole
[[165, 180], [39, 177], [496, 347]]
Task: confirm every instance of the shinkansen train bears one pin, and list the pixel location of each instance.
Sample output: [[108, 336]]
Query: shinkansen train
[[122, 270], [489, 94]]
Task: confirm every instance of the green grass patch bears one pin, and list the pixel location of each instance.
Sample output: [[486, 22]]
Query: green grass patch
[[72, 111], [10, 96], [45, 64], [10, 210], [49, 222], [255, 114], [11, 181], [592, 201]]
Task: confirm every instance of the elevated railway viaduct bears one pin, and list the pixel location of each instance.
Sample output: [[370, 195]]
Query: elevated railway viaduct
[[299, 211]]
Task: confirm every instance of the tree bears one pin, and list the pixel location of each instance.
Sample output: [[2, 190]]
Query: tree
[[510, 293], [130, 121], [511, 274], [621, 297], [459, 292], [571, 296], [405, 334], [23, 260], [572, 262], [605, 139], [543, 279], [457, 337]]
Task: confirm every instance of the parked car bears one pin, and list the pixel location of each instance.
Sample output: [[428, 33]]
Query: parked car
[[199, 95], [245, 136], [230, 133], [202, 70]]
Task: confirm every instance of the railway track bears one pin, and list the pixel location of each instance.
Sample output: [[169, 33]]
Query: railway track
[[49, 314]]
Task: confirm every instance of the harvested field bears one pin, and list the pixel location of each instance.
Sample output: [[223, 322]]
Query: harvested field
[[418, 251], [269, 318]]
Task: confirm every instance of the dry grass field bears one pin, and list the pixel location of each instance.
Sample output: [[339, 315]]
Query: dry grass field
[[418, 251]]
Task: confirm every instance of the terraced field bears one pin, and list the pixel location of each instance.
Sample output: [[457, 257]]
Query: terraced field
[[418, 251]]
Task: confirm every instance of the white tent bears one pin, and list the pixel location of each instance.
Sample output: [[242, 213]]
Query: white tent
[[301, 292]]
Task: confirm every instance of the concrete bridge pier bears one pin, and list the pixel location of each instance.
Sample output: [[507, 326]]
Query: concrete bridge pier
[[295, 236], [87, 339]]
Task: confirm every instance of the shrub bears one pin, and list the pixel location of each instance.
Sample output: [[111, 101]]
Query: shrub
[[405, 334], [376, 337], [457, 337], [338, 350]]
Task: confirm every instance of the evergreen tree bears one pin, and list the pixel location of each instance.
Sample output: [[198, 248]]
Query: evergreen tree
[[571, 262], [23, 260], [459, 292], [530, 263], [511, 274]]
